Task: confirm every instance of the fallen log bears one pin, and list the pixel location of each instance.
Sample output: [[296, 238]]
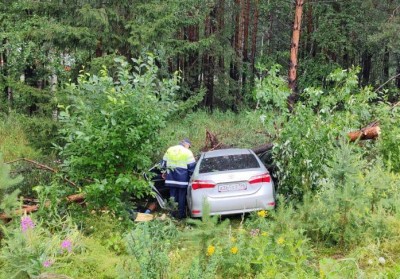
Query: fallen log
[[262, 148], [26, 209], [76, 198], [370, 132]]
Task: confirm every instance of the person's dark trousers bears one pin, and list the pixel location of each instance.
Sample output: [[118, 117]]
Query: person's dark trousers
[[179, 195]]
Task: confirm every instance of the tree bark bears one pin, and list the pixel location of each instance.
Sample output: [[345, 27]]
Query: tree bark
[[294, 48], [254, 37]]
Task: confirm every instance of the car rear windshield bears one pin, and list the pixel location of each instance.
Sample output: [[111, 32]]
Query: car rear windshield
[[229, 162]]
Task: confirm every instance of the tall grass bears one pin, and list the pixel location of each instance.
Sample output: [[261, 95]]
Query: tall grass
[[14, 142]]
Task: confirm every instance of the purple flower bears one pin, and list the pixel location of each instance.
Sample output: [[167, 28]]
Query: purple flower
[[66, 245], [27, 223], [47, 263]]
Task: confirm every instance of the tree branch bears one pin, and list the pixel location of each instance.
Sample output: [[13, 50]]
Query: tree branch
[[41, 166]]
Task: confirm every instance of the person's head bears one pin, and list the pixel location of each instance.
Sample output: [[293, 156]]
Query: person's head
[[186, 143]]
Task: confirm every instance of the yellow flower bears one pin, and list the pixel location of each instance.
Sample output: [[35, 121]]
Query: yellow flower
[[264, 234], [233, 239], [210, 250], [234, 250], [262, 213], [280, 240]]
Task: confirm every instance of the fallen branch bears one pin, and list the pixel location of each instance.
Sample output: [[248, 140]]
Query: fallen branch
[[41, 166]]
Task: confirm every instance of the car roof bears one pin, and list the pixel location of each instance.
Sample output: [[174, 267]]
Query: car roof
[[226, 152]]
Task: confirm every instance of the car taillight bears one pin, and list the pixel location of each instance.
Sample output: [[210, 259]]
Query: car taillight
[[202, 184], [260, 178]]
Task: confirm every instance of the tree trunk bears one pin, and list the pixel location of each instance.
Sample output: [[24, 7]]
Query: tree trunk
[[294, 48], [366, 67], [99, 48], [209, 60], [192, 63], [53, 89], [398, 72], [221, 26], [254, 37], [235, 67], [246, 23], [310, 29], [386, 57]]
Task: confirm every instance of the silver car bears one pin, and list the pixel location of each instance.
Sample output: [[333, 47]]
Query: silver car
[[230, 181]]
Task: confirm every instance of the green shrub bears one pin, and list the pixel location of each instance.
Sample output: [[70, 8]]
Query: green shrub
[[150, 243], [353, 203], [112, 129]]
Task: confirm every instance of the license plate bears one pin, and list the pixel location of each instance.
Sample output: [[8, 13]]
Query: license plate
[[232, 187]]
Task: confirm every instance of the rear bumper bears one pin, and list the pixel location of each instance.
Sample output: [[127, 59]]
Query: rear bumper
[[261, 200]]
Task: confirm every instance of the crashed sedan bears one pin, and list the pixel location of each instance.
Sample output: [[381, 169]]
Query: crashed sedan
[[230, 181]]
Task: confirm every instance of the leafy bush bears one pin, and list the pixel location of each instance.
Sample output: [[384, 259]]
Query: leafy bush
[[112, 128]]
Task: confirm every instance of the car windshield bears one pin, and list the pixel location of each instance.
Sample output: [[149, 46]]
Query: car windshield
[[228, 162]]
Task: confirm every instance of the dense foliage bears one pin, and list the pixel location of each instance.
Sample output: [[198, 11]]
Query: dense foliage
[[112, 127]]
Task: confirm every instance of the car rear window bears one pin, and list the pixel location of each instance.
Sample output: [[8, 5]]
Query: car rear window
[[230, 162]]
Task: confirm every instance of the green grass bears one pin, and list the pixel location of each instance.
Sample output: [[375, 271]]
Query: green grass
[[14, 142]]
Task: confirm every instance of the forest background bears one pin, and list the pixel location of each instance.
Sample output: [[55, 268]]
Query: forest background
[[93, 92]]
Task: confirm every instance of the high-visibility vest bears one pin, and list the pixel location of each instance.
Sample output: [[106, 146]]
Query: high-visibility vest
[[180, 164]]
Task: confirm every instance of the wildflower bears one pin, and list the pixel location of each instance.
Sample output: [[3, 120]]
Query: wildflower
[[27, 223], [262, 213], [280, 240], [210, 250], [234, 250], [47, 263], [255, 232], [233, 239], [66, 245], [382, 260], [264, 234]]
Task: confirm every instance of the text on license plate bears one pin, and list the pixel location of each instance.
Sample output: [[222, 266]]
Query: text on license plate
[[232, 187]]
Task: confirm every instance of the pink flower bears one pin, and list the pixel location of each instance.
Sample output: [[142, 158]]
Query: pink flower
[[27, 223], [47, 263], [66, 245]]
